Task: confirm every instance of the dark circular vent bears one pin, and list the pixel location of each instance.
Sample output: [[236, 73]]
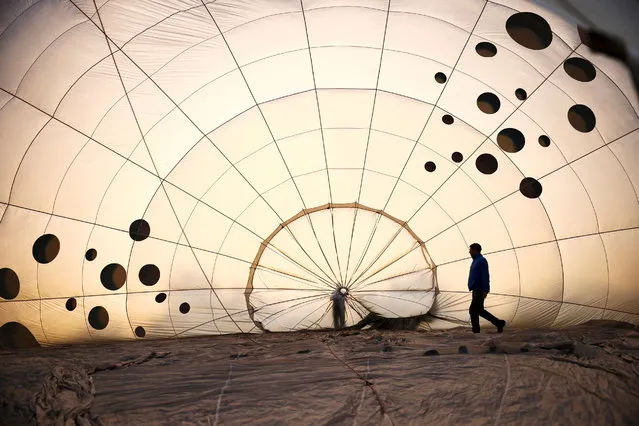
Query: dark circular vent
[[530, 30], [582, 118], [488, 103], [521, 94], [580, 69], [14, 335], [511, 140], [486, 49], [486, 164], [530, 187], [46, 248], [98, 318], [91, 254], [139, 230], [544, 141], [71, 304], [149, 274], [9, 284], [113, 276]]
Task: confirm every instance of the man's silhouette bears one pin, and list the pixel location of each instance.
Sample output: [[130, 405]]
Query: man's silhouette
[[479, 284], [339, 307]]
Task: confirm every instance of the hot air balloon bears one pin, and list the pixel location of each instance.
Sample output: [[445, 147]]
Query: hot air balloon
[[177, 168]]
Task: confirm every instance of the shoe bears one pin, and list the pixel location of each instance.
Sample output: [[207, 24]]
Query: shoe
[[500, 326]]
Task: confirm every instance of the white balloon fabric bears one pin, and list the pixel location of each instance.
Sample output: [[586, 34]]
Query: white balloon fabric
[[180, 167]]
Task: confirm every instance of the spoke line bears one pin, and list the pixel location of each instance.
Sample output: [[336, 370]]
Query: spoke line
[[368, 137], [363, 284], [259, 108]]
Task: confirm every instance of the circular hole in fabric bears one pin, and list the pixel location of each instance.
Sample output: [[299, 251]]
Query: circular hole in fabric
[[582, 118], [91, 254], [488, 103], [529, 30], [71, 304], [9, 284], [440, 77], [580, 69], [448, 119], [14, 335], [511, 140], [521, 94], [140, 331], [113, 276], [160, 297], [457, 157], [98, 318], [149, 274], [185, 308], [544, 141], [530, 187], [486, 164], [46, 248], [430, 166], [486, 49], [139, 230]]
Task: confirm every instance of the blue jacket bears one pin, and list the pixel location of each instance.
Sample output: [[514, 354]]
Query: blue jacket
[[479, 278]]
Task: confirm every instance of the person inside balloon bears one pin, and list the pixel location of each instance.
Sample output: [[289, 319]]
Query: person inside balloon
[[479, 285], [338, 298]]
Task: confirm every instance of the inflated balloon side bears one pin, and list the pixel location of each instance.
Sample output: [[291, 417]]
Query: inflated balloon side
[[177, 168]]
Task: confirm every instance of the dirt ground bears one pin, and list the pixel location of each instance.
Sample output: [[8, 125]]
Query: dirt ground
[[585, 375]]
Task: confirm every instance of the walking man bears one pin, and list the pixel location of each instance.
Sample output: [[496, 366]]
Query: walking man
[[479, 284]]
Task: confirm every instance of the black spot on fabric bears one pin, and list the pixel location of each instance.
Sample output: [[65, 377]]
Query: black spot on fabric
[[14, 335], [91, 254], [160, 297], [140, 331], [488, 103], [448, 119], [457, 157], [580, 69], [582, 118], [530, 187], [149, 275], [71, 304], [440, 77], [113, 276], [544, 141], [529, 30], [521, 94], [430, 166], [139, 230], [9, 284], [511, 140], [185, 308], [46, 248], [98, 318], [486, 164], [486, 49]]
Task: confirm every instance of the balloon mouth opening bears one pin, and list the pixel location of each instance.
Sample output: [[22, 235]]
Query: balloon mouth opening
[[307, 264]]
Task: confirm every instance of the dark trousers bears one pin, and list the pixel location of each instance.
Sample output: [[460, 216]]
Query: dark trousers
[[477, 310], [339, 313]]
